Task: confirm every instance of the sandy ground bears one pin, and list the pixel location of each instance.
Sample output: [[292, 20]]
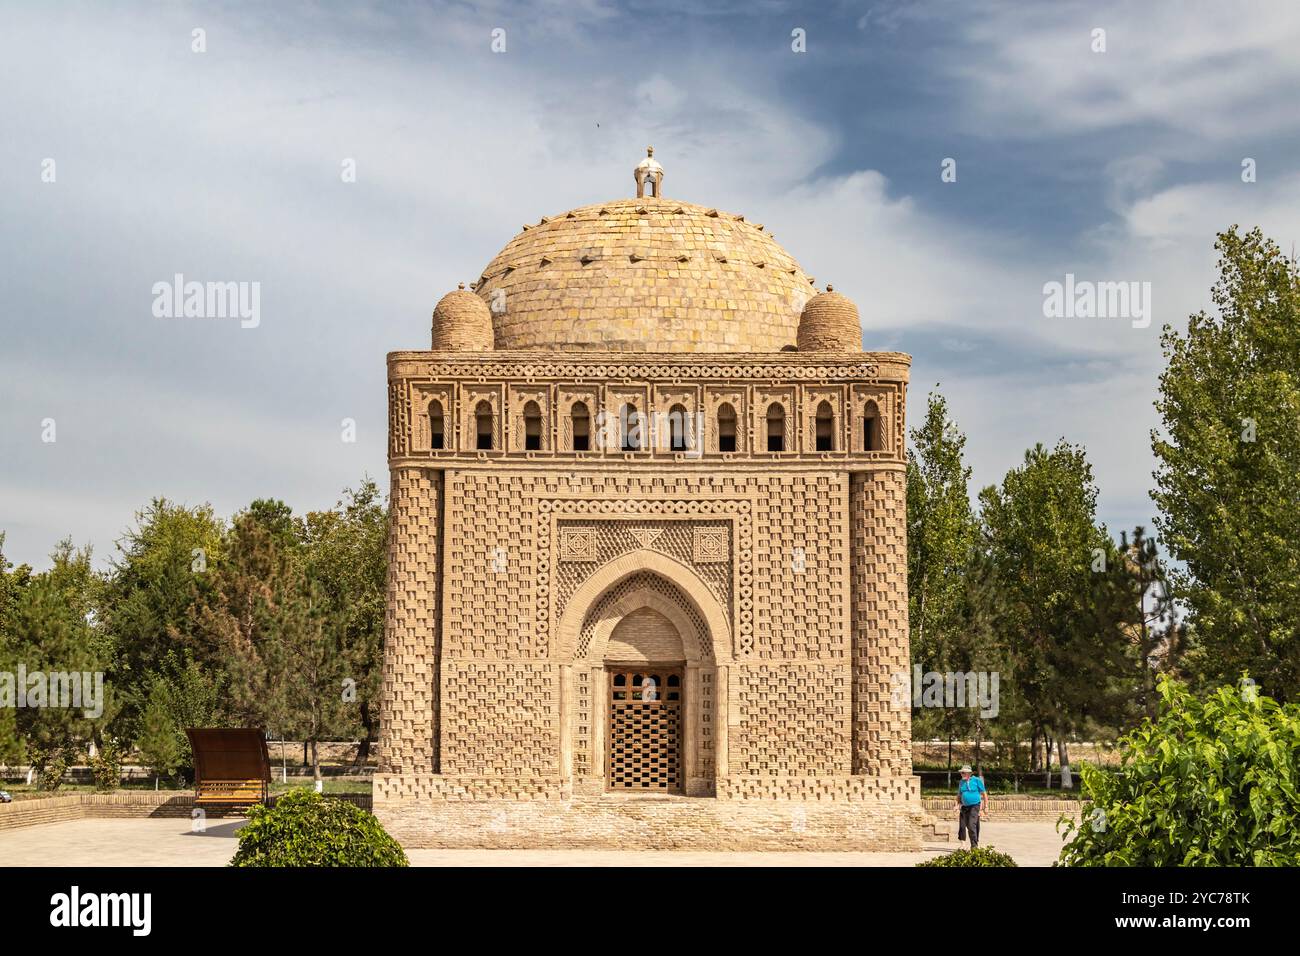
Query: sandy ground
[[169, 842]]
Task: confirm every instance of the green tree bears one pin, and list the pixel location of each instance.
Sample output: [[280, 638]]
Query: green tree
[[12, 581], [1228, 466], [1143, 602], [276, 633], [1212, 782], [277, 519], [1048, 558], [941, 534], [941, 531], [160, 750], [306, 665], [52, 640], [231, 622], [347, 558], [162, 568], [180, 694]]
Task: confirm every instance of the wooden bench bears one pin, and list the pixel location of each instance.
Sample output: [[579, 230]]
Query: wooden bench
[[231, 767]]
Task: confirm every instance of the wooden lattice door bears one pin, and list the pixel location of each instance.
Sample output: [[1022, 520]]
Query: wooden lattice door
[[645, 720]]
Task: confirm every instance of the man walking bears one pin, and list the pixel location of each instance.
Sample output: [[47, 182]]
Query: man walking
[[971, 799]]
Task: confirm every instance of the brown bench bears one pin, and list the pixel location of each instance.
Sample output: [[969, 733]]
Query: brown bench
[[231, 767]]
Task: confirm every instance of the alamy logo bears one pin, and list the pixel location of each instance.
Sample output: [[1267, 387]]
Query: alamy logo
[[102, 909], [179, 299], [977, 690], [62, 689], [1084, 299]]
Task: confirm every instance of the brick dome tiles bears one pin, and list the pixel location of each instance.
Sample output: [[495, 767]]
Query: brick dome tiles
[[830, 324], [645, 275], [461, 322]]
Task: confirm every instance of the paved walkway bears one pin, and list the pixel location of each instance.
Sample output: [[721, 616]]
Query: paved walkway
[[169, 842]]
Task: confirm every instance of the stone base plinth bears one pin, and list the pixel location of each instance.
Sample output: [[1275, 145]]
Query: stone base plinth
[[840, 813]]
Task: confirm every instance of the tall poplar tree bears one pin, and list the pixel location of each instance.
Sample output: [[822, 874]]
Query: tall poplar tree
[[1228, 467], [940, 538]]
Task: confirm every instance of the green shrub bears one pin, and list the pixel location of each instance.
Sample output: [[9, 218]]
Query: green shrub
[[1209, 783], [305, 829], [106, 766], [49, 764], [980, 856]]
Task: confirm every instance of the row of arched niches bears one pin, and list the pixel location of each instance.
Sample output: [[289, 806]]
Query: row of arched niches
[[674, 430]]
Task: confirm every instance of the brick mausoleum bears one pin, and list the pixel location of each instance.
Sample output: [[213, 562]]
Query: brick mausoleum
[[647, 566]]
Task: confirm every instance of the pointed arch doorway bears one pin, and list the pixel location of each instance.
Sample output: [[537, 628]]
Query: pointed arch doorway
[[641, 641], [644, 664]]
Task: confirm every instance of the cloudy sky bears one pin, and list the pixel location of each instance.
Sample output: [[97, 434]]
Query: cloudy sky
[[226, 164]]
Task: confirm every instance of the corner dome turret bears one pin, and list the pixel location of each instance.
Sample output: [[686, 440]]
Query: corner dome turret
[[830, 323], [462, 323]]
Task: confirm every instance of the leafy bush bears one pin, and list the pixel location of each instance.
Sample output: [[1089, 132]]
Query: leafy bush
[[305, 829], [1212, 783], [106, 766], [980, 856], [49, 764]]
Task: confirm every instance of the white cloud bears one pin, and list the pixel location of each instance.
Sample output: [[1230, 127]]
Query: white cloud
[[1215, 69]]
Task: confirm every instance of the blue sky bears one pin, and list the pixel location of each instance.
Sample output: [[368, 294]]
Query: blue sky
[[225, 165]]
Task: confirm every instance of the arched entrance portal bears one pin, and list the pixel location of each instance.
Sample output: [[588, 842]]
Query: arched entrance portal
[[641, 641], [644, 661]]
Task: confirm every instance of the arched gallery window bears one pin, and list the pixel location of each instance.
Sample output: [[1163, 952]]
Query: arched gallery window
[[871, 428], [726, 427], [825, 427], [629, 428], [532, 427], [437, 439], [678, 425], [483, 426], [775, 427], [581, 427]]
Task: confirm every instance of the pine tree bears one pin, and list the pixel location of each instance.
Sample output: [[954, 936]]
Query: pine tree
[[158, 746]]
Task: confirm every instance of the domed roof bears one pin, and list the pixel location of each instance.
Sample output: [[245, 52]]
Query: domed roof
[[830, 324], [645, 275], [461, 322]]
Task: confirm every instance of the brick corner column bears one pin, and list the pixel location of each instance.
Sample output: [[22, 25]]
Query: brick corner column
[[882, 718], [409, 705]]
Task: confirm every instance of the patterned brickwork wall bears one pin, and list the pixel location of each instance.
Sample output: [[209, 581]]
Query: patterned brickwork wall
[[606, 540], [786, 587], [882, 721], [491, 539], [801, 567], [409, 694], [628, 585], [521, 543], [500, 719], [790, 720]]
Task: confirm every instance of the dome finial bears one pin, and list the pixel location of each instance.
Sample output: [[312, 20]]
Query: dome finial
[[649, 171]]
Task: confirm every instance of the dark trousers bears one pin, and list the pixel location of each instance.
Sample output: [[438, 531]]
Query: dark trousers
[[969, 822]]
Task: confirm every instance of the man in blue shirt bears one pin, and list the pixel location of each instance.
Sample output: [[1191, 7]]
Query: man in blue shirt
[[971, 798]]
